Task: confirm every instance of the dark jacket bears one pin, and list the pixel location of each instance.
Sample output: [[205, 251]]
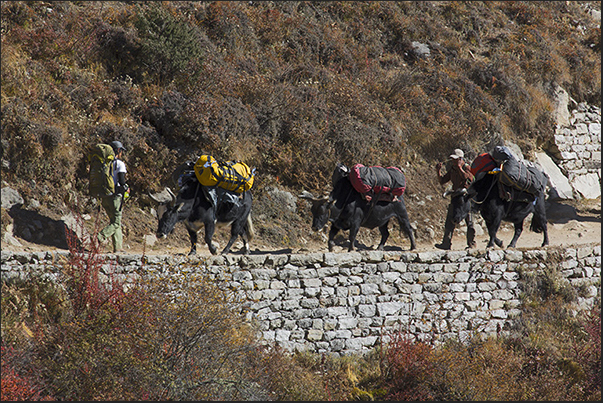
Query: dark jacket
[[459, 174]]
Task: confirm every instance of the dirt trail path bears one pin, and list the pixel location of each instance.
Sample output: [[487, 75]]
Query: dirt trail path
[[570, 224]]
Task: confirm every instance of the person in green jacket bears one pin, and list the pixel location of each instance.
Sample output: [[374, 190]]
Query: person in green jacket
[[113, 204]]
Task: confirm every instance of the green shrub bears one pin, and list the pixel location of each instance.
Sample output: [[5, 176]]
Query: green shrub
[[168, 47]]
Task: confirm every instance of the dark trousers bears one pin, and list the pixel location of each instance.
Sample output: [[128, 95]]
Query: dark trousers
[[450, 225]]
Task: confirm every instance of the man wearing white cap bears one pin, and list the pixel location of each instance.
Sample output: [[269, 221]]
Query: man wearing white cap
[[460, 175]]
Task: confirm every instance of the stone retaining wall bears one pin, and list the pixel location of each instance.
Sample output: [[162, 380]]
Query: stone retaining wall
[[344, 303], [578, 151]]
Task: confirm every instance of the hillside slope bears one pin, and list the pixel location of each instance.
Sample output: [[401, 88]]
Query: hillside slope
[[291, 88]]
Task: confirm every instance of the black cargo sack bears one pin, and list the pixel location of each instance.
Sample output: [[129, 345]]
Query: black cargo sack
[[522, 175]]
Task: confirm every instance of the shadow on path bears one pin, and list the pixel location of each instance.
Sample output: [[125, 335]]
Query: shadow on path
[[560, 213], [36, 228]]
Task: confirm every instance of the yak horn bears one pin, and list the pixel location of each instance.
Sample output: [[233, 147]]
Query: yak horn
[[171, 193], [306, 195], [312, 198], [161, 196], [454, 193], [153, 198]]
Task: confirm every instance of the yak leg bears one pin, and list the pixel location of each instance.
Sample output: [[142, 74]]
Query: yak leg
[[245, 236], [210, 228], [545, 232], [193, 237], [229, 244], [332, 232], [384, 235], [539, 220], [516, 234], [492, 231], [235, 230], [243, 229], [493, 221], [353, 233], [545, 240], [542, 212], [405, 225], [246, 248]]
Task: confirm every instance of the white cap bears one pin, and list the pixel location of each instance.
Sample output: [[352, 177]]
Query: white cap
[[457, 153]]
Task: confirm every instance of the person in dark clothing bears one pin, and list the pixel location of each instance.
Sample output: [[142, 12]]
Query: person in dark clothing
[[461, 177]]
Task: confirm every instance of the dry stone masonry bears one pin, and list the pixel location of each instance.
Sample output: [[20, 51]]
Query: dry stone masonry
[[577, 153], [345, 303]]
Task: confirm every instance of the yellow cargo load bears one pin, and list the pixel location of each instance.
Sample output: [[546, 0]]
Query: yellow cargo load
[[232, 175]]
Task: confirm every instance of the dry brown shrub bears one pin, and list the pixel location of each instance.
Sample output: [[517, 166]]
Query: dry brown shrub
[[481, 370]]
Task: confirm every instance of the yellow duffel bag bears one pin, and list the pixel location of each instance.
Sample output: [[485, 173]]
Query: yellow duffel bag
[[231, 175]]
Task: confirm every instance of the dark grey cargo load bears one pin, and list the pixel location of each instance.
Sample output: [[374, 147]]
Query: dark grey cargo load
[[522, 175]]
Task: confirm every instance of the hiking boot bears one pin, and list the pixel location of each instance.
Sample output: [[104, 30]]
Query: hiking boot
[[443, 246], [472, 245], [101, 239]]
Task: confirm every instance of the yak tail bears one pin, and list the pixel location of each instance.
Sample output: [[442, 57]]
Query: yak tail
[[250, 230], [538, 224]]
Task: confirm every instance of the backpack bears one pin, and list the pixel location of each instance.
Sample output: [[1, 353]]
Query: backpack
[[234, 176], [101, 171], [483, 163]]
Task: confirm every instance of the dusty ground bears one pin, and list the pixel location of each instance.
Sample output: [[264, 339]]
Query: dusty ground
[[570, 222]]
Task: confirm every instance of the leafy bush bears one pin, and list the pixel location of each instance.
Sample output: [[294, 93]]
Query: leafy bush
[[17, 387], [588, 354], [167, 46], [119, 49], [406, 368], [177, 337]]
